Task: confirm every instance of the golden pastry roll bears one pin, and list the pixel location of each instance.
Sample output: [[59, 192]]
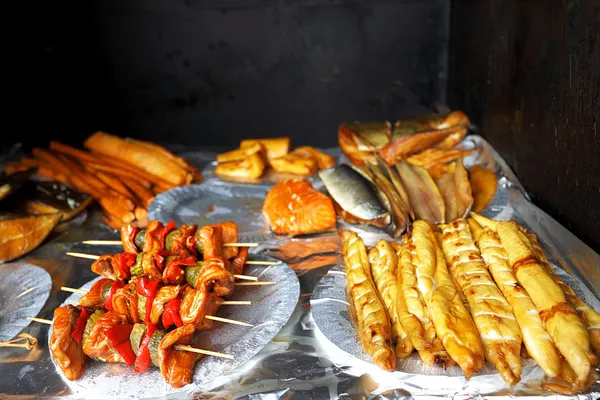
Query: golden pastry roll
[[537, 341], [589, 316], [294, 164], [413, 312], [323, 160], [493, 315], [241, 153], [373, 324], [453, 324], [249, 168], [275, 147], [559, 317], [384, 264]]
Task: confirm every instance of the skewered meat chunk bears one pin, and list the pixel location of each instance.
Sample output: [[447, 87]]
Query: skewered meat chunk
[[96, 343], [65, 351]]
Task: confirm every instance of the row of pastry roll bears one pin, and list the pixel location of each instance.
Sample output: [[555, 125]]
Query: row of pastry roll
[[466, 292]]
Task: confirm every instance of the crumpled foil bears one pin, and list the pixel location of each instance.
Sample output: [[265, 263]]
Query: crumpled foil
[[300, 362], [24, 288], [271, 308]]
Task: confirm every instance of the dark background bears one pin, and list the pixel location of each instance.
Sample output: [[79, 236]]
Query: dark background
[[205, 73]]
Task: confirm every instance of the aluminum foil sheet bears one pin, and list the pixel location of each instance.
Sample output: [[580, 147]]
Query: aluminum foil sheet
[[271, 307], [300, 362], [24, 288]]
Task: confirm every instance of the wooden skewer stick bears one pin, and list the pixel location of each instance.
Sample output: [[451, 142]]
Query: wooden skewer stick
[[68, 289], [225, 303], [177, 347], [200, 351], [235, 303], [261, 283], [117, 242], [227, 320], [94, 257], [261, 262]]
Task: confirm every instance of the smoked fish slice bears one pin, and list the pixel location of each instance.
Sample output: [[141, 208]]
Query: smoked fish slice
[[373, 324], [559, 318], [491, 312], [589, 316], [453, 324], [414, 315], [537, 341], [384, 264]]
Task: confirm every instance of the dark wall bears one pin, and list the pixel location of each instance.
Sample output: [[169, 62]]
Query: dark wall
[[528, 74], [214, 71]]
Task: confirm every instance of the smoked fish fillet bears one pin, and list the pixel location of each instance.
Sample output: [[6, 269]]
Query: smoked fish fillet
[[384, 265], [453, 324], [414, 315], [559, 317], [491, 312], [537, 341], [371, 318], [294, 207], [589, 316]]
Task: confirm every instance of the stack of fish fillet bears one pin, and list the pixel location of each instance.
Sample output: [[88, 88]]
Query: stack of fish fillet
[[462, 293]]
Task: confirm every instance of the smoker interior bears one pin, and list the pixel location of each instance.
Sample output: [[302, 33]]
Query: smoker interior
[[207, 73]]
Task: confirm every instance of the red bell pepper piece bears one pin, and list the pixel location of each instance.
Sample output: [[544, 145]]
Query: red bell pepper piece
[[171, 314], [125, 350], [113, 289], [143, 360], [77, 334], [173, 274], [161, 256], [147, 288], [132, 235], [165, 231], [118, 334]]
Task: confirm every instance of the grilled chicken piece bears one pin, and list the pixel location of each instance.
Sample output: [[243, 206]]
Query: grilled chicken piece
[[414, 315], [373, 323], [239, 261], [589, 316], [194, 304], [453, 324], [65, 351], [177, 366], [163, 296], [384, 264], [128, 233], [212, 237], [93, 298], [151, 270], [491, 312], [537, 341], [294, 164], [96, 344], [249, 168], [125, 301], [212, 308], [183, 244], [559, 317]]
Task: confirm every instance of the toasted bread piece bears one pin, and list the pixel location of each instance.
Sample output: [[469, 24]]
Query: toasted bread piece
[[20, 235], [249, 168], [323, 160], [275, 147], [241, 153], [294, 164]]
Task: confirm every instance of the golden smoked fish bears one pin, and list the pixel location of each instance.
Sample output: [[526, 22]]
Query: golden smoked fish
[[384, 264], [373, 324], [559, 317], [453, 324], [589, 316], [537, 341], [411, 306], [491, 312]]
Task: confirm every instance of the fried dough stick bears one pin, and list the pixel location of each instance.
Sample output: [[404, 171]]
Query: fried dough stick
[[537, 341], [491, 312], [411, 306], [560, 319], [452, 321], [384, 264], [589, 316], [373, 323]]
